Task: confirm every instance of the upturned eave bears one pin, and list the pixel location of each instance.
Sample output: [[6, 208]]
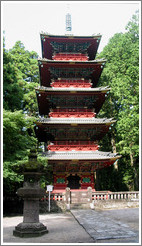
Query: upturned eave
[[82, 155], [68, 89], [48, 35], [76, 121], [45, 60]]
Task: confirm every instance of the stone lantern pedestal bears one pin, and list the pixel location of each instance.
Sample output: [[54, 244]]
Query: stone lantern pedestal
[[31, 193]]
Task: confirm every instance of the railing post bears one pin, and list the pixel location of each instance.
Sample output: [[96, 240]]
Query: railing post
[[68, 198], [89, 191]]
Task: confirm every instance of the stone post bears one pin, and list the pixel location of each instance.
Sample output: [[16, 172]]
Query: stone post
[[68, 198], [89, 191], [31, 193]]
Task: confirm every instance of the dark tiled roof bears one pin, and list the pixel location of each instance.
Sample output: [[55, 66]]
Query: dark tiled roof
[[81, 155], [97, 61], [102, 89], [76, 121], [69, 36]]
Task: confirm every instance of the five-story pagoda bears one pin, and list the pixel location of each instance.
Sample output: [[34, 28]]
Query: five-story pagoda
[[68, 102]]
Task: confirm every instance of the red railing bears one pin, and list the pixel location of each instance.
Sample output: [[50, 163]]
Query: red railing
[[68, 113], [72, 57], [71, 83], [75, 142], [67, 146], [97, 196]]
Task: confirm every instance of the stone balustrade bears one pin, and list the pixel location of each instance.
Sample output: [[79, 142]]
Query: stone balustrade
[[106, 195], [131, 195]]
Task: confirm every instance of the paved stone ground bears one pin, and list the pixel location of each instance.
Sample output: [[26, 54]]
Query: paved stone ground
[[121, 225], [81, 226], [63, 228]]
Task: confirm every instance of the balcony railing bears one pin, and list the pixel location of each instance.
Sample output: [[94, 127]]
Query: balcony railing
[[67, 146], [68, 113], [72, 83], [70, 57]]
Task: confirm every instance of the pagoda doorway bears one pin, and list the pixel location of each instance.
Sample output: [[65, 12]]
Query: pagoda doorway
[[73, 181]]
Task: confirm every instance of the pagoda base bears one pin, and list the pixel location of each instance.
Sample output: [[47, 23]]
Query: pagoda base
[[30, 230]]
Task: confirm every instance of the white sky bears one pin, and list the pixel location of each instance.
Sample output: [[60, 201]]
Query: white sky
[[24, 20]]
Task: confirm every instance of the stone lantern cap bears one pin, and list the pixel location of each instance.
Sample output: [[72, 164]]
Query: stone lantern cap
[[32, 165]]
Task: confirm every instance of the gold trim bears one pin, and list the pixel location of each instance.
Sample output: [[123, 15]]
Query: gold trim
[[115, 158]]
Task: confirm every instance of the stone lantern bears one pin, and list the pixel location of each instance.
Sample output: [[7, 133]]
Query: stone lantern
[[31, 193]]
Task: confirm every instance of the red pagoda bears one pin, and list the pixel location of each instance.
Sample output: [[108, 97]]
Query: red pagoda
[[68, 102]]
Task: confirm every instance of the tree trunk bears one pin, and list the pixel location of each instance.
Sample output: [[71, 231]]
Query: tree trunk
[[131, 158], [114, 151], [136, 175], [136, 180]]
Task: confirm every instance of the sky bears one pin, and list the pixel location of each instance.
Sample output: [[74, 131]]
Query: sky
[[24, 20]]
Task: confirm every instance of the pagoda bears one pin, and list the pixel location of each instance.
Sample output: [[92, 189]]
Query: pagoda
[[68, 102]]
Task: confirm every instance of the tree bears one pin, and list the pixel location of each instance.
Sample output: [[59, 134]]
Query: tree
[[16, 146], [26, 63], [20, 76], [12, 84], [122, 75]]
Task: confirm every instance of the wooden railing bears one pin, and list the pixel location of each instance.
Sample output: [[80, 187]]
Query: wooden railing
[[73, 57], [78, 146], [68, 113], [71, 83], [77, 142], [70, 110], [71, 80]]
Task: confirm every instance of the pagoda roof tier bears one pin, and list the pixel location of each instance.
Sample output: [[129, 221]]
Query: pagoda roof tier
[[75, 156], [70, 43], [50, 69], [70, 97], [51, 129], [85, 161], [98, 89], [101, 60], [68, 121]]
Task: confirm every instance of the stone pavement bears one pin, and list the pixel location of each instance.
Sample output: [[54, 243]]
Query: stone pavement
[[62, 227], [121, 225], [81, 226]]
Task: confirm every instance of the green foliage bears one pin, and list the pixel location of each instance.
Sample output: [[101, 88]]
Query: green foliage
[[12, 80], [16, 140], [122, 75], [47, 178], [21, 76]]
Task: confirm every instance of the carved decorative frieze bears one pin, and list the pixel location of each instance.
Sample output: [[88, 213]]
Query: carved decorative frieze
[[72, 101], [71, 72], [70, 47]]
